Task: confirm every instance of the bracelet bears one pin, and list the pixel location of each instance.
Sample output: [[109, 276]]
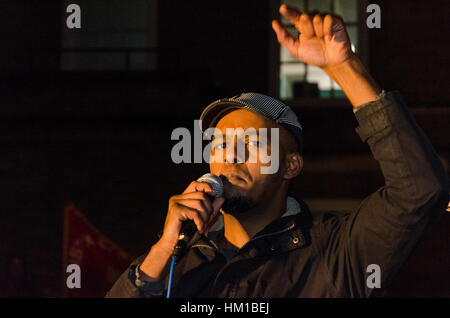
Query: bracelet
[[153, 288]]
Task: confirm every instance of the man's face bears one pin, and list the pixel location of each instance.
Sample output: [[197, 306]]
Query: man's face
[[244, 185]]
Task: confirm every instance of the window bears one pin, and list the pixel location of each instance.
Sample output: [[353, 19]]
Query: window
[[296, 79], [114, 36]]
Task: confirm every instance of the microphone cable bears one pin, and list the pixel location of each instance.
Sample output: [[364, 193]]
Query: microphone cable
[[169, 285]]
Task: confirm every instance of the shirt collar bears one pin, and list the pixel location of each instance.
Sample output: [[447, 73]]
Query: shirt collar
[[292, 208]]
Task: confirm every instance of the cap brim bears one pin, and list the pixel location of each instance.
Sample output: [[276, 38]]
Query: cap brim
[[216, 110]]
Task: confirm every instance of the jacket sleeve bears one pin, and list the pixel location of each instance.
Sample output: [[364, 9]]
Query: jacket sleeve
[[387, 225], [125, 288]]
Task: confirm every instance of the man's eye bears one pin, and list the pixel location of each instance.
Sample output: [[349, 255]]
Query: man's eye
[[221, 146], [254, 143]]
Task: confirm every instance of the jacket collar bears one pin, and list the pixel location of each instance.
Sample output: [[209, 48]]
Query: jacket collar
[[292, 208], [289, 232]]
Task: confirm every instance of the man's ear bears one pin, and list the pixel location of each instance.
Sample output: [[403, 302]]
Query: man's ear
[[293, 164]]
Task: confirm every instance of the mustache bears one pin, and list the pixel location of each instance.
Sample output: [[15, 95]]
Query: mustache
[[241, 175]]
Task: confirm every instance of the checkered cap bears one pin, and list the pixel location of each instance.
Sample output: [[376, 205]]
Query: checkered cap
[[257, 103]]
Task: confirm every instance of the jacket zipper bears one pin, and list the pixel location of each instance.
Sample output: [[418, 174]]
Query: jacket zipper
[[233, 290], [215, 247], [290, 227]]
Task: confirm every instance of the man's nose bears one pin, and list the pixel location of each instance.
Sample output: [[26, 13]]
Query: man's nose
[[233, 156], [233, 160]]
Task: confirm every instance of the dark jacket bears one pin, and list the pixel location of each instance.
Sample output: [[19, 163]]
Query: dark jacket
[[296, 256]]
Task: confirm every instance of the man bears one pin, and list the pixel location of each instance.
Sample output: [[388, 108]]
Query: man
[[265, 244]]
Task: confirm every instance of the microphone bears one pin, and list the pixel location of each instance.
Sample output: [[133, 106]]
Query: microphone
[[188, 227]]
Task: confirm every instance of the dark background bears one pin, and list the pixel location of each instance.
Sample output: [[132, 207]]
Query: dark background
[[101, 139]]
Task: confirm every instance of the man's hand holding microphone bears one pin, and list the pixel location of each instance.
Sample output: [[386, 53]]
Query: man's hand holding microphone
[[200, 203]]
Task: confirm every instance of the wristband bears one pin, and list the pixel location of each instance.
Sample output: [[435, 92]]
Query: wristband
[[153, 288]]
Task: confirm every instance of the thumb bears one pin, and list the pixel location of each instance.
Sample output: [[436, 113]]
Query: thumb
[[333, 26], [217, 204]]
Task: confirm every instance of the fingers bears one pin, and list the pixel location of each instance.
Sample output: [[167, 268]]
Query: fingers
[[292, 14], [327, 27], [191, 210], [284, 37], [187, 213], [195, 210], [196, 205], [306, 26], [309, 25], [193, 204], [318, 25], [196, 186], [202, 196], [301, 21]]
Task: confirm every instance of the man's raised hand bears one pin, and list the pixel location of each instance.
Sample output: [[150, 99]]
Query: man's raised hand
[[322, 41]]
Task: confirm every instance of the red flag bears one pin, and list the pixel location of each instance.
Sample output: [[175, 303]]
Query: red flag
[[100, 260]]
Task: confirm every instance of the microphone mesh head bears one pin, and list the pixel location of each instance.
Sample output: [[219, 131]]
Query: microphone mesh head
[[214, 181]]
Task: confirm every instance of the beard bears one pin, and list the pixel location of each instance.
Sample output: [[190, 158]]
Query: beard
[[238, 204]]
